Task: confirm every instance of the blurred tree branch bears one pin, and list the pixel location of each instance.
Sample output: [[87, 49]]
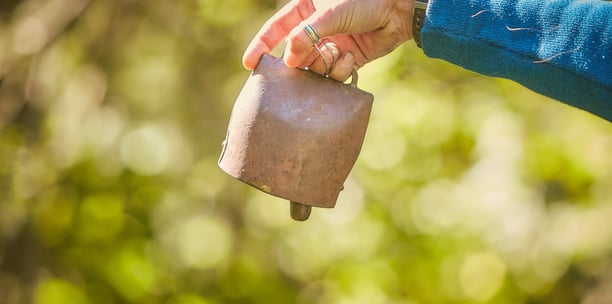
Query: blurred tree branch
[[32, 26]]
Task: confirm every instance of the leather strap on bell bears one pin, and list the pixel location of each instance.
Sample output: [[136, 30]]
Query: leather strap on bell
[[418, 17]]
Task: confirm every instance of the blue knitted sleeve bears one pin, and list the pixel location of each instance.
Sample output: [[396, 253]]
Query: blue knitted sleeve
[[559, 48]]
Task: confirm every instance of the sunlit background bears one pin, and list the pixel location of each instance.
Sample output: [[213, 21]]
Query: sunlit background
[[468, 189]]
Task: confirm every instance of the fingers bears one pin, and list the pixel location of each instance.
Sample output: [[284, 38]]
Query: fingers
[[329, 61], [363, 30], [341, 71], [348, 17], [275, 30], [343, 68], [326, 59], [299, 47]]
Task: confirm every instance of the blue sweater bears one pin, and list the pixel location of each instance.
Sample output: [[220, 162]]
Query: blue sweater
[[559, 48]]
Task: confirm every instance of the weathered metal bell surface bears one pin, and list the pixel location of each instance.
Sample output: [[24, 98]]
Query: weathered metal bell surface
[[295, 134]]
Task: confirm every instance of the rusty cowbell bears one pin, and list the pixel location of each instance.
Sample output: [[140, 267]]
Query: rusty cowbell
[[295, 134]]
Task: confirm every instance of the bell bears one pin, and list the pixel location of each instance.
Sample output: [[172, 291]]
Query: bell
[[295, 134]]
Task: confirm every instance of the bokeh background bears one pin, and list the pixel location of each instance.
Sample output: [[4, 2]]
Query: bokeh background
[[468, 189]]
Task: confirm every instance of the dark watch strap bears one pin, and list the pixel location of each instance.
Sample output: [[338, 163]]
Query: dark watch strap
[[418, 16]]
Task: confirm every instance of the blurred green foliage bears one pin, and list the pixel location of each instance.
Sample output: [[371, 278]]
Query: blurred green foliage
[[468, 189]]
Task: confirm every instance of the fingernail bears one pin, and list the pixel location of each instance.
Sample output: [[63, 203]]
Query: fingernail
[[349, 59], [345, 65], [346, 62]]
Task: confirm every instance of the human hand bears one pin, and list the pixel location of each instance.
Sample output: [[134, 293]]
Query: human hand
[[357, 31]]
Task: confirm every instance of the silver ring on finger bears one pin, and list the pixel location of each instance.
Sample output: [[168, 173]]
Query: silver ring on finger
[[316, 42]]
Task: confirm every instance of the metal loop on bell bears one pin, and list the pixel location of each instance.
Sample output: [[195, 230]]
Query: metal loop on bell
[[354, 77], [316, 43]]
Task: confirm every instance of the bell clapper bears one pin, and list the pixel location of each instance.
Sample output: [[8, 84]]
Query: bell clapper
[[299, 212]]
